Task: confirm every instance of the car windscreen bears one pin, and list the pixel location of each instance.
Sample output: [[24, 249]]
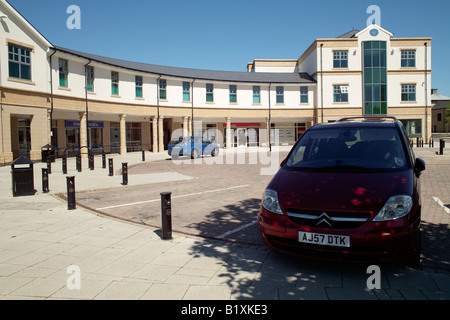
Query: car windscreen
[[349, 149], [176, 140]]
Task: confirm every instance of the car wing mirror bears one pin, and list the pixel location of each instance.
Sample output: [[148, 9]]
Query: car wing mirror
[[419, 166]]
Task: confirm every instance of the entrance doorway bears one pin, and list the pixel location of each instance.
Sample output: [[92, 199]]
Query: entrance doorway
[[24, 136]]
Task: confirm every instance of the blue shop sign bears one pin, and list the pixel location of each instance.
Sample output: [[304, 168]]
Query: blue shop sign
[[76, 124]]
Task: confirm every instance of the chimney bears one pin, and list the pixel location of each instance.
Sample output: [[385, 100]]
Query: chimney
[[434, 91]]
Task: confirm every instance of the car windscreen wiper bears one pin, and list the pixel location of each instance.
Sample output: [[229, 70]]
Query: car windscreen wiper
[[344, 168]]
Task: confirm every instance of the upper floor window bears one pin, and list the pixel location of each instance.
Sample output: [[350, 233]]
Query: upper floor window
[[233, 93], [63, 73], [256, 94], [162, 89], [90, 78], [340, 59], [408, 92], [114, 83], [209, 92], [408, 58], [303, 94], [139, 83], [19, 62], [186, 91], [280, 94], [340, 93]]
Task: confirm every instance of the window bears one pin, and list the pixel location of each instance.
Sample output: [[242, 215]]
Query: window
[[280, 94], [233, 93], [162, 89], [439, 117], [303, 94], [19, 60], [413, 127], [139, 81], [408, 92], [209, 92], [186, 91], [114, 83], [375, 77], [90, 78], [340, 93], [63, 73], [256, 94], [408, 58], [340, 59]]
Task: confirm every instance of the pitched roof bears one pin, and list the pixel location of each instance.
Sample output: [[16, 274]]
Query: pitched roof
[[441, 105], [349, 34], [231, 76]]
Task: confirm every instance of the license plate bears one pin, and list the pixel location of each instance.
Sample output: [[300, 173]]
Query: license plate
[[324, 239], [176, 147]]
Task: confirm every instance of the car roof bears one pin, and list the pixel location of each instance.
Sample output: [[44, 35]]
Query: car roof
[[358, 122]]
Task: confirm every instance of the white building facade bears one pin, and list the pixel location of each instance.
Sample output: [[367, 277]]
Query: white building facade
[[70, 99]]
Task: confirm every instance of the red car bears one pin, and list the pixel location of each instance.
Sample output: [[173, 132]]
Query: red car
[[348, 190]]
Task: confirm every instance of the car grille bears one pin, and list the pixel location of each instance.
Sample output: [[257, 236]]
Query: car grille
[[328, 219]]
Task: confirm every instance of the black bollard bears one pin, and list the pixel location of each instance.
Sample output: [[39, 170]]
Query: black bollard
[[91, 161], [45, 188], [124, 173], [79, 163], [143, 155], [103, 160], [64, 164], [71, 205], [166, 215], [441, 146], [49, 165], [111, 167]]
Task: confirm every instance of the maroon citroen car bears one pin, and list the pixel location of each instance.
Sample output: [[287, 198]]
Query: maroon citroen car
[[348, 190]]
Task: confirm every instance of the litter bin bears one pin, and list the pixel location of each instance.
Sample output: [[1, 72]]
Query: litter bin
[[48, 152], [22, 177]]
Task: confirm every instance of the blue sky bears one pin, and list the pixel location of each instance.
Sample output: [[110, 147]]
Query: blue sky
[[225, 35]]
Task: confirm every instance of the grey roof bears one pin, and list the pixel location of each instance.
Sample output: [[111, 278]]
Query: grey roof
[[441, 105], [439, 97], [350, 34], [231, 76]]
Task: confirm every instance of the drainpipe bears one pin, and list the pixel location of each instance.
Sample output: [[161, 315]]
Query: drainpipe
[[51, 96], [87, 109], [426, 91], [157, 108], [321, 80], [192, 107], [270, 121]]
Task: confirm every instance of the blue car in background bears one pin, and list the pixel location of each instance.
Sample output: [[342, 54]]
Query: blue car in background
[[192, 146]]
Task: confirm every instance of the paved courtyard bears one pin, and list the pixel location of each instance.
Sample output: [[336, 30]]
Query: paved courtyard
[[114, 238]]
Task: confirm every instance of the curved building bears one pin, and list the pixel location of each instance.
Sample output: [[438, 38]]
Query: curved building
[[72, 99]]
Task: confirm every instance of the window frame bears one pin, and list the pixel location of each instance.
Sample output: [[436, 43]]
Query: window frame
[[90, 77], [22, 53], [406, 57], [115, 83], [279, 91], [304, 96], [186, 91], [233, 93], [339, 93], [209, 92], [408, 92], [338, 59], [256, 94], [63, 72], [139, 86], [162, 89]]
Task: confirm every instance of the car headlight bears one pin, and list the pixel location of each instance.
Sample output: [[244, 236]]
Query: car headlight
[[270, 201], [396, 207]]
